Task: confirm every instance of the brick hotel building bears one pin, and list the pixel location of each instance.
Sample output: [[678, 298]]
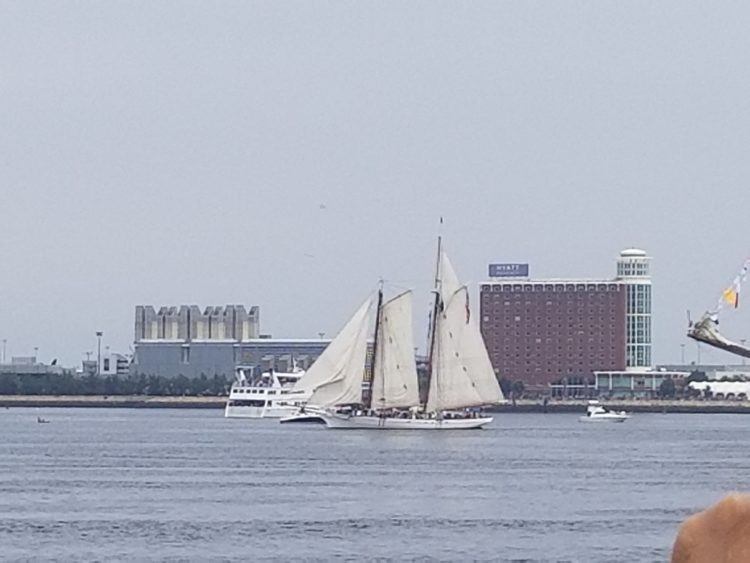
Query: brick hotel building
[[557, 333]]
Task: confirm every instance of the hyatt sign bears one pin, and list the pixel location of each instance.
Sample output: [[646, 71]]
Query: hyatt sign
[[509, 270]]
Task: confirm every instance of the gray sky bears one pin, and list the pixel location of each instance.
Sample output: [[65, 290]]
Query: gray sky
[[287, 154]]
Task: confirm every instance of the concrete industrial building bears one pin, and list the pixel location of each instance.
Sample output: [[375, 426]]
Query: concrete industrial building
[[187, 323], [185, 341], [555, 334]]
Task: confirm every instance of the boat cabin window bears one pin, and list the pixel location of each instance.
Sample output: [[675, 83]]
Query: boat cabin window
[[245, 403]]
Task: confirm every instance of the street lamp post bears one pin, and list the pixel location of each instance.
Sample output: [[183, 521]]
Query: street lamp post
[[5, 341], [99, 335], [36, 354]]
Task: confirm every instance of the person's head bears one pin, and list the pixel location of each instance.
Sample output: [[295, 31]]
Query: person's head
[[719, 534]]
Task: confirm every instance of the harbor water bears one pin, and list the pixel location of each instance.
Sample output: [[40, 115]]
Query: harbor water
[[142, 484]]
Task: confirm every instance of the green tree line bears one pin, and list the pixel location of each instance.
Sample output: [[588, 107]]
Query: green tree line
[[68, 384]]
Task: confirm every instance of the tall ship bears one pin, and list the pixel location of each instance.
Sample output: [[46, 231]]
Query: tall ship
[[461, 377], [269, 395]]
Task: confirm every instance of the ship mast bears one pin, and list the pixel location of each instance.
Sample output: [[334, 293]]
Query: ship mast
[[433, 317], [367, 399]]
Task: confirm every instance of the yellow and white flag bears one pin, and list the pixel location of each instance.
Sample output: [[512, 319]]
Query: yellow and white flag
[[731, 297]]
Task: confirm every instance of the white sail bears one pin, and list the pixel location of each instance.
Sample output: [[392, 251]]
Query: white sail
[[394, 382], [336, 376], [447, 277], [461, 374]]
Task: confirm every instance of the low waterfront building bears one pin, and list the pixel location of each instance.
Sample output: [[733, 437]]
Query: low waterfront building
[[28, 365], [115, 364], [112, 363], [727, 390], [713, 371], [633, 383]]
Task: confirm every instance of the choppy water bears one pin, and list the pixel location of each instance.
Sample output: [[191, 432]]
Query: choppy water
[[104, 484]]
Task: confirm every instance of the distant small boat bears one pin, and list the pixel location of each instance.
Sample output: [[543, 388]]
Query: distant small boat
[[41, 420], [596, 412]]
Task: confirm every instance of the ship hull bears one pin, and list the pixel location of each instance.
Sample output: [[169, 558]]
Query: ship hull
[[307, 415], [275, 411], [348, 422], [602, 419]]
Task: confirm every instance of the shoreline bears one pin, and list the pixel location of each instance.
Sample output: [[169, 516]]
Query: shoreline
[[112, 401], [522, 406], [631, 406]]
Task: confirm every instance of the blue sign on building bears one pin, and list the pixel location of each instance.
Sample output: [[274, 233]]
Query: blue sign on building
[[509, 270]]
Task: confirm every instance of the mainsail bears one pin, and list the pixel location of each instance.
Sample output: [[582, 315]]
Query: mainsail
[[336, 376], [461, 373], [394, 383]]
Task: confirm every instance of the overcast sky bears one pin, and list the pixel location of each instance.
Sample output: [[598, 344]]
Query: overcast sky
[[288, 154]]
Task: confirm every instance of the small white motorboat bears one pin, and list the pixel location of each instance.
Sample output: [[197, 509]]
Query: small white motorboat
[[596, 412]]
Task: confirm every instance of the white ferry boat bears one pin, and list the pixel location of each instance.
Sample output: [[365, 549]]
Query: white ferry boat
[[270, 395]]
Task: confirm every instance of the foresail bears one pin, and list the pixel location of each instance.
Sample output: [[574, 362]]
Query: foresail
[[394, 381], [462, 375], [477, 360], [336, 376]]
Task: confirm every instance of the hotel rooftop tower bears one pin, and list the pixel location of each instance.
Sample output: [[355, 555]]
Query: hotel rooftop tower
[[633, 270]]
